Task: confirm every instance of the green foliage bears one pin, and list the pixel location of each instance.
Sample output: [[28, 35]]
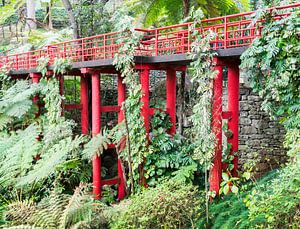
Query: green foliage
[[278, 203], [168, 155], [43, 63], [97, 145], [271, 63], [166, 12], [134, 123], [16, 102], [93, 17], [62, 65], [16, 154], [58, 211], [169, 205], [202, 72]]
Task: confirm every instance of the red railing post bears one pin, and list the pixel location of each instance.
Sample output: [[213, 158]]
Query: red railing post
[[156, 42], [96, 128], [225, 32], [17, 61], [82, 50], [104, 46]]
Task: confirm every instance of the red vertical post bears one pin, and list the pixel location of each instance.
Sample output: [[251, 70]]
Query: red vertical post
[[145, 81], [171, 98], [121, 99], [216, 171], [84, 100], [35, 77], [233, 107], [96, 125]]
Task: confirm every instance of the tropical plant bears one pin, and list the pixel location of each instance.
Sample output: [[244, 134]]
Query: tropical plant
[[58, 211], [166, 12]]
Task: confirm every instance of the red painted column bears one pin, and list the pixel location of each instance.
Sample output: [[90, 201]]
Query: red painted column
[[85, 104], [145, 81], [171, 98], [121, 99], [216, 171], [35, 77], [96, 126], [233, 106]]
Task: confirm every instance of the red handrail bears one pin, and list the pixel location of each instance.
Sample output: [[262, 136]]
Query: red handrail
[[232, 31]]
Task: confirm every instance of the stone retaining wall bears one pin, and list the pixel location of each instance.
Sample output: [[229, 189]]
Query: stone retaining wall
[[260, 137]]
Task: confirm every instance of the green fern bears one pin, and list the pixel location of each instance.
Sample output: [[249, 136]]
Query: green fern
[[17, 152], [97, 145], [51, 158]]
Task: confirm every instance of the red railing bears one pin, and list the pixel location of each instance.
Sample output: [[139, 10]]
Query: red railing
[[232, 31]]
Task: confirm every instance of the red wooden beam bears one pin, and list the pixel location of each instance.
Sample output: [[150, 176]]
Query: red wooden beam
[[216, 171], [171, 98], [96, 127], [145, 81], [121, 99], [73, 107], [233, 107], [110, 108], [110, 182], [84, 100]]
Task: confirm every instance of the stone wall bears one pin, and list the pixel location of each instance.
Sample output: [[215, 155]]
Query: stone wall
[[260, 137]]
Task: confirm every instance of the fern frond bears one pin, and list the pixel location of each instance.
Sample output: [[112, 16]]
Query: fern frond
[[96, 145], [78, 209], [52, 157], [17, 152], [50, 210], [4, 121], [19, 212]]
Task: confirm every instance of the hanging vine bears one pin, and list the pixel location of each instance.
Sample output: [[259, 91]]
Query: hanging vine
[[202, 73], [134, 128]]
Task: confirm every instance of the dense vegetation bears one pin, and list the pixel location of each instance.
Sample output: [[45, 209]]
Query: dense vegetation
[[45, 165]]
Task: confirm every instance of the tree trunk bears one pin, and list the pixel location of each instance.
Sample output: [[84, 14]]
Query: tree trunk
[[30, 20], [49, 15], [72, 19], [186, 8]]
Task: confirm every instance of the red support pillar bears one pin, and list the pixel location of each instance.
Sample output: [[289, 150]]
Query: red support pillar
[[216, 171], [171, 98], [145, 81], [85, 104], [96, 126], [121, 99], [35, 77], [233, 107]]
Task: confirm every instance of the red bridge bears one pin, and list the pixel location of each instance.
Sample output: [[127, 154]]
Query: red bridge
[[160, 49]]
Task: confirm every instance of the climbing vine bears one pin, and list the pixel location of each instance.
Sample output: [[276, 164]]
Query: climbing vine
[[272, 65], [136, 148]]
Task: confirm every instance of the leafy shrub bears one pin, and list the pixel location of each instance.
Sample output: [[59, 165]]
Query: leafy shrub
[[272, 202], [169, 205]]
